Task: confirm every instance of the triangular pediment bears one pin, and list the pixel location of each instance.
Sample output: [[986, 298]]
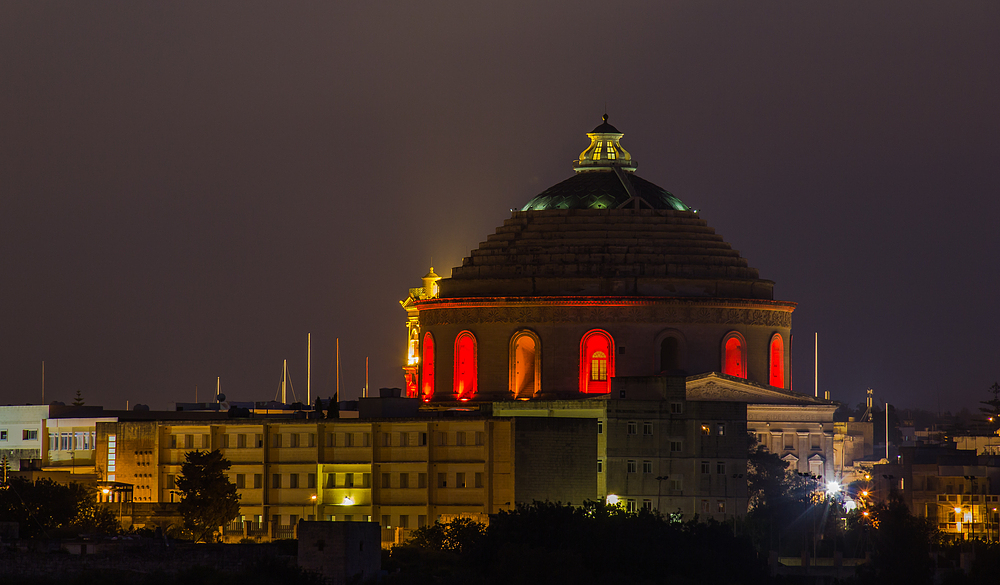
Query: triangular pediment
[[717, 387]]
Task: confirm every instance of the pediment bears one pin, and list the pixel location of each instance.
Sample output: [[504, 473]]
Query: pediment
[[722, 388]]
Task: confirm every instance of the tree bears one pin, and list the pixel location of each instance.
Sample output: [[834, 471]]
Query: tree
[[333, 409], [78, 401], [991, 408], [46, 508], [208, 498], [318, 409]]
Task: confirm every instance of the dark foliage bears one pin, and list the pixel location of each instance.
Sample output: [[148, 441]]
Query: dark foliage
[[554, 543], [46, 508], [208, 499]]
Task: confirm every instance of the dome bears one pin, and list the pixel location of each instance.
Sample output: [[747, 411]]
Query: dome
[[605, 231], [608, 190]]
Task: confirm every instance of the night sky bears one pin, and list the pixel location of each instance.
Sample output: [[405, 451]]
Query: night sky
[[189, 188]]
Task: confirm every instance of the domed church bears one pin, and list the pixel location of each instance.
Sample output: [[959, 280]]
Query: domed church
[[604, 274]]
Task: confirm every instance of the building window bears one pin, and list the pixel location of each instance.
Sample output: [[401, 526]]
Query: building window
[[465, 366], [385, 481], [3, 435], [720, 429], [293, 480], [720, 468], [241, 481], [676, 408], [777, 361], [421, 480], [647, 467], [611, 151], [734, 355], [525, 365], [427, 368], [670, 355], [404, 480], [597, 362], [423, 439], [276, 480], [29, 435], [705, 468], [704, 506], [258, 481], [630, 506], [676, 446], [241, 441], [442, 480], [632, 427], [600, 429], [421, 521], [600, 466], [631, 466], [597, 151], [647, 505], [460, 439], [677, 483], [647, 429], [720, 506], [349, 480], [386, 522], [460, 480], [311, 481]]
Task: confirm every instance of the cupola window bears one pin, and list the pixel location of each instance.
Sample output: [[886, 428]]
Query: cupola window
[[597, 151], [525, 364], [734, 355], [427, 368], [597, 362], [777, 360], [465, 366]]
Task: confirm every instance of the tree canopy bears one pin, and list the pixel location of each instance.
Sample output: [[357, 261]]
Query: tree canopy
[[208, 499], [47, 508]]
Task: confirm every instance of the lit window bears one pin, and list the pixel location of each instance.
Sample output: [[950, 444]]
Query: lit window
[[777, 361], [598, 366], [734, 359], [720, 506], [597, 151], [631, 427], [465, 366], [597, 363], [647, 467], [720, 429], [611, 151], [631, 466]]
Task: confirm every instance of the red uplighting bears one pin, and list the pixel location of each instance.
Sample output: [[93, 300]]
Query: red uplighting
[[465, 366], [427, 368], [777, 361], [734, 361], [597, 362]]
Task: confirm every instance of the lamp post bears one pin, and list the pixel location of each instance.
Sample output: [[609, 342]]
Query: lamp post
[[659, 490], [315, 507]]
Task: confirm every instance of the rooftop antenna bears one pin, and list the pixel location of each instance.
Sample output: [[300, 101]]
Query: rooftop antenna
[[309, 355], [816, 364], [43, 382], [337, 394]]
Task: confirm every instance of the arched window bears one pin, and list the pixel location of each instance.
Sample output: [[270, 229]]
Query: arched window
[[777, 354], [427, 368], [597, 362], [734, 355], [525, 365], [465, 366], [670, 358]]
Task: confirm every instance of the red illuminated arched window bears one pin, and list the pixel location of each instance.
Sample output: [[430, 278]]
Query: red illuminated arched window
[[465, 366], [427, 368], [597, 362], [525, 365], [777, 355], [734, 355]]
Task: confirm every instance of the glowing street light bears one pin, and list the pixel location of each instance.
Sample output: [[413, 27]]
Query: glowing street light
[[612, 500], [832, 488]]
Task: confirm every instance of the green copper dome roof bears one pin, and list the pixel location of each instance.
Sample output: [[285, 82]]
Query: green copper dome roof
[[603, 190]]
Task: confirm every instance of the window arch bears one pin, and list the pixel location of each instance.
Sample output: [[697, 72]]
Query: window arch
[[670, 352], [525, 365], [427, 368], [777, 361], [466, 377], [597, 362], [734, 355]]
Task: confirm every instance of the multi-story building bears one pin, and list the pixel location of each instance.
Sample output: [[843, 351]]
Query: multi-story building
[[401, 473], [658, 450]]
